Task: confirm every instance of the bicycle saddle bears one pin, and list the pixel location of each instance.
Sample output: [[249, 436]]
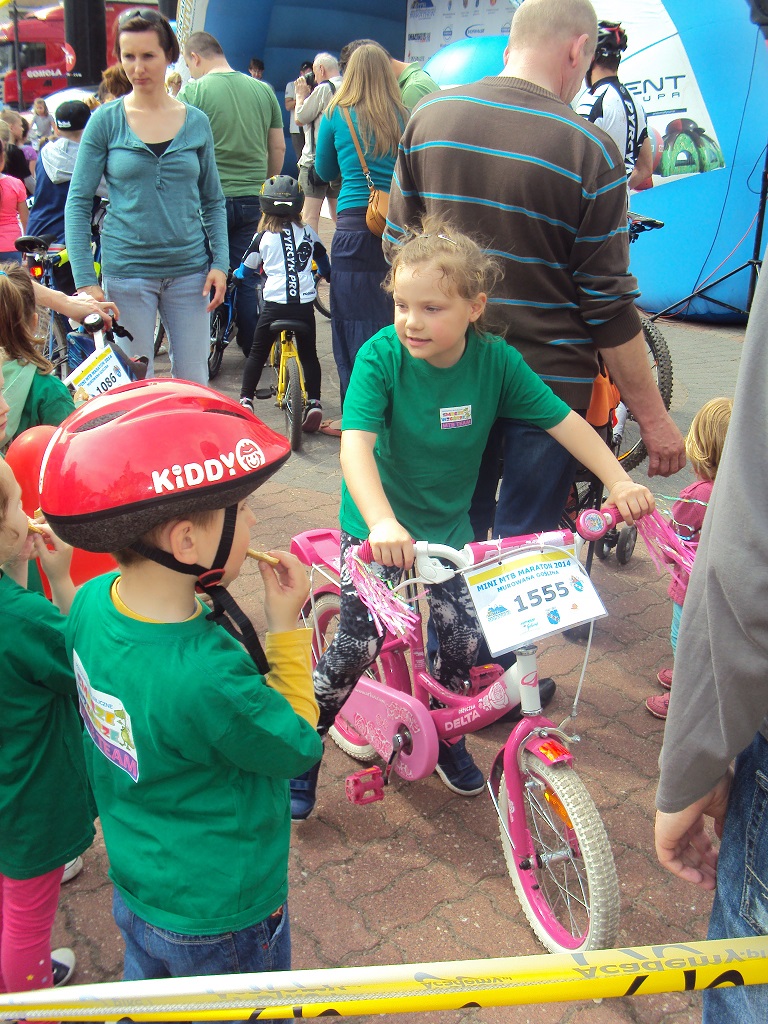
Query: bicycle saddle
[[34, 243], [297, 327]]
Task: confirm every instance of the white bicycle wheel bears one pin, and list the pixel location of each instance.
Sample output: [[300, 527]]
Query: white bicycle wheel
[[569, 890]]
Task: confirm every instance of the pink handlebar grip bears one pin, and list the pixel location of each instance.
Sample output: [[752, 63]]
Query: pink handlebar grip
[[364, 552], [592, 524]]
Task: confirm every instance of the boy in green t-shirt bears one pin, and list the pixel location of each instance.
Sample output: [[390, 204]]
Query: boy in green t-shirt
[[189, 744]]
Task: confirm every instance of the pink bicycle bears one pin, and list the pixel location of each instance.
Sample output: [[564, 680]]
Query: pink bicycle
[[555, 845]]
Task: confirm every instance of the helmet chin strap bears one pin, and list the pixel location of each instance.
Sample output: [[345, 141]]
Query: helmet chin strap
[[226, 611]]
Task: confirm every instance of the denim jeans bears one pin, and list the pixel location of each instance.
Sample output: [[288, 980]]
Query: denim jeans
[[537, 476], [740, 909], [182, 306], [157, 953], [243, 215]]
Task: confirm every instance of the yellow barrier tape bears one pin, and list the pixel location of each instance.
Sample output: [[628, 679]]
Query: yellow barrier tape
[[407, 988]]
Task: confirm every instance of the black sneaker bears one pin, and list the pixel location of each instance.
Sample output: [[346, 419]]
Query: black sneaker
[[457, 769], [62, 966], [313, 416], [247, 403]]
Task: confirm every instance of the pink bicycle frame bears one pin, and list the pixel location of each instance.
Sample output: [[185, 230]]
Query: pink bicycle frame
[[378, 712]]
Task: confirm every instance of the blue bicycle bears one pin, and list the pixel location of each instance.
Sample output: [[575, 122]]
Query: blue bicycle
[[223, 328]]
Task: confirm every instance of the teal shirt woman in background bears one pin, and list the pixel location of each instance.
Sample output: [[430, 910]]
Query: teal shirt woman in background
[[166, 207], [369, 92]]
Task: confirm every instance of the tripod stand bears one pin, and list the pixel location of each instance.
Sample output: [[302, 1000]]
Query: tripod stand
[[753, 265]]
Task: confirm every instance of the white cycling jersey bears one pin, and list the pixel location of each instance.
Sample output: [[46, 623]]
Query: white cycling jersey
[[610, 106]]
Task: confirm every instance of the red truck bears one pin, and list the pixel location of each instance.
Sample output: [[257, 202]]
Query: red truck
[[44, 54]]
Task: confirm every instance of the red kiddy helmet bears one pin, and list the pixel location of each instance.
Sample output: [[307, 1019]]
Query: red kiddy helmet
[[148, 452]]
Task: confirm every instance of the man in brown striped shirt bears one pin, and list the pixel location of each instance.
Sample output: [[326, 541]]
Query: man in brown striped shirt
[[508, 161]]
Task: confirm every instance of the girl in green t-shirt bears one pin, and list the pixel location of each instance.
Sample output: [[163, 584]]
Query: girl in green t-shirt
[[45, 815], [423, 397], [34, 394]]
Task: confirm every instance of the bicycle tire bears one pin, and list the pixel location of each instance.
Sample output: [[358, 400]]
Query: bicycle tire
[[626, 544], [631, 450], [293, 404], [216, 349], [160, 335], [572, 852], [322, 296], [59, 356], [324, 620]]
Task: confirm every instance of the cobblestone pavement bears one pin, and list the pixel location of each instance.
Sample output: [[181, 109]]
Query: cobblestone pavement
[[421, 876]]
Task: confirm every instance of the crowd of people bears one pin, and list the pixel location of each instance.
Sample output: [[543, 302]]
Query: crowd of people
[[473, 331]]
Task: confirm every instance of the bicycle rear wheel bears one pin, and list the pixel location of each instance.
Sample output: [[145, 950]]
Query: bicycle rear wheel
[[324, 621], [323, 296], [216, 350], [570, 893], [628, 446], [293, 404]]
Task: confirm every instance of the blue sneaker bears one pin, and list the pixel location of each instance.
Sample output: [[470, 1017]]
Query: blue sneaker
[[457, 769], [304, 793]]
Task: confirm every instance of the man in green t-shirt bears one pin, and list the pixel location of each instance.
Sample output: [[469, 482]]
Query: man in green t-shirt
[[249, 146]]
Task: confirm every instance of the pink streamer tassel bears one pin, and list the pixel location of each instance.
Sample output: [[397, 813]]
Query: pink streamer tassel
[[667, 550], [388, 610]]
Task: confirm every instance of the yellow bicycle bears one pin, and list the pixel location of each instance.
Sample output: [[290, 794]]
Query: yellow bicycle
[[289, 390]]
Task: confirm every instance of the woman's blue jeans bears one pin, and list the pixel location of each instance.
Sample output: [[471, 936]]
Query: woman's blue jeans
[[182, 306]]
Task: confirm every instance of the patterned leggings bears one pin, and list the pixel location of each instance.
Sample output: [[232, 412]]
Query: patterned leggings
[[357, 644]]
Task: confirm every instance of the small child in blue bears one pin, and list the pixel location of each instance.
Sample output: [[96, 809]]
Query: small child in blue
[[283, 249]]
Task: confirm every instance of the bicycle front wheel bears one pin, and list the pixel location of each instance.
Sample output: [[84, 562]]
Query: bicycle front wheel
[[293, 403], [216, 350], [629, 447], [160, 335], [59, 355], [569, 891]]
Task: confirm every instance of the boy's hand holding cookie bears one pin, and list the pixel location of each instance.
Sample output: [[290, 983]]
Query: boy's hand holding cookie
[[286, 589]]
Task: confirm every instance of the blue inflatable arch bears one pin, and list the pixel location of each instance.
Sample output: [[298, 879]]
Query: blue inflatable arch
[[709, 217], [284, 33]]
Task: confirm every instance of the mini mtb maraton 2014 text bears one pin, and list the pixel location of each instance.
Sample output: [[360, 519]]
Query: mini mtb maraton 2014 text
[[556, 847]]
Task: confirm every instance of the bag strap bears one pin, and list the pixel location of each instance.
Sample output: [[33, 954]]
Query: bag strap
[[353, 133]]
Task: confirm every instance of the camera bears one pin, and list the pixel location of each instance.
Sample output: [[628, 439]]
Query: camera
[[310, 79]]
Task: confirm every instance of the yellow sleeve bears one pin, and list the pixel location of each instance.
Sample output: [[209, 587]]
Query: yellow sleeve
[[290, 672]]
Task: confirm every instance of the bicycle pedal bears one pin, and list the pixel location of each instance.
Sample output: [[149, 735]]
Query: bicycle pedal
[[365, 786], [264, 393], [482, 676]]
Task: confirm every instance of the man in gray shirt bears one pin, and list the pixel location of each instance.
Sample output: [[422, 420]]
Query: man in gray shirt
[[718, 708]]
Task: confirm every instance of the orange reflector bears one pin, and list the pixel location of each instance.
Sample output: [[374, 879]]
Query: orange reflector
[[556, 804]]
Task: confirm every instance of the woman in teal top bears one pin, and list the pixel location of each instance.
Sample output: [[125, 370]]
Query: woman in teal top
[[369, 92], [166, 206]]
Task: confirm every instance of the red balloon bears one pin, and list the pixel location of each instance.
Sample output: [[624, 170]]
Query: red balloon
[[25, 457]]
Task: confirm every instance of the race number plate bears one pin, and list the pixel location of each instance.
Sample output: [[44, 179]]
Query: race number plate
[[100, 372], [531, 595]]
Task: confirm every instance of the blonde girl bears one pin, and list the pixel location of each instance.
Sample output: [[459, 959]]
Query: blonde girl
[[423, 397], [704, 448], [34, 394]]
